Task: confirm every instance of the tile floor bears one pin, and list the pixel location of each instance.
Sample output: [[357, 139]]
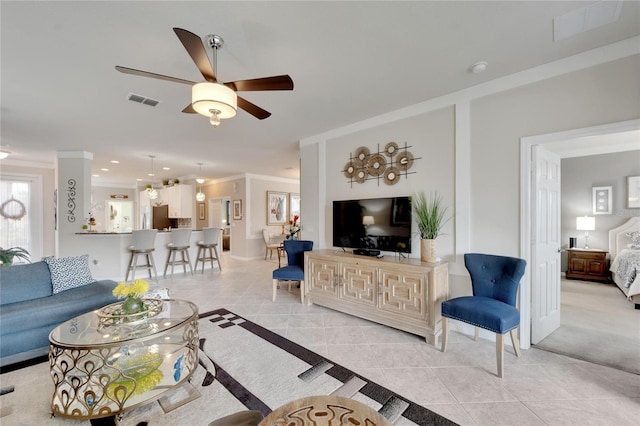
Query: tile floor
[[538, 388]]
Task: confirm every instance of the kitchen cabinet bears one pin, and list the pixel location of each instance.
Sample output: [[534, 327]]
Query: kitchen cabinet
[[406, 294], [180, 199]]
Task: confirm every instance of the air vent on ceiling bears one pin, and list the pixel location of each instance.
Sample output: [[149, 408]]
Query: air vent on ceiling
[[142, 99], [586, 18]]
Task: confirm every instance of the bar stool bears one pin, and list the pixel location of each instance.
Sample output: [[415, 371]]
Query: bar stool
[[179, 243], [143, 244], [210, 240]]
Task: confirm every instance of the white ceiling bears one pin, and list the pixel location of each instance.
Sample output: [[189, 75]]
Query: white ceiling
[[349, 61]]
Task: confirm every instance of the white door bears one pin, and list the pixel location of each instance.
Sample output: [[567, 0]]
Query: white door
[[545, 241], [215, 216]]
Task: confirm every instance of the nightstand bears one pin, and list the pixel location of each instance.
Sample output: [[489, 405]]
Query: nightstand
[[588, 265]]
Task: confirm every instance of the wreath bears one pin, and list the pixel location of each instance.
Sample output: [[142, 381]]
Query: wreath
[[14, 213]]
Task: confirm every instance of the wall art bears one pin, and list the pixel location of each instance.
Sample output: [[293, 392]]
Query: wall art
[[388, 164], [601, 199]]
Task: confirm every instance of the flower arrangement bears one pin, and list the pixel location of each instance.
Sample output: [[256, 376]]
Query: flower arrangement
[[293, 227], [132, 293], [136, 289]]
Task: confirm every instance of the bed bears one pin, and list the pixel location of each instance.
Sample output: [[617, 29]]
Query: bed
[[625, 260]]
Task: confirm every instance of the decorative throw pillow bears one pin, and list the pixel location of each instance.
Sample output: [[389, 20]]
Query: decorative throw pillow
[[69, 272], [635, 239]]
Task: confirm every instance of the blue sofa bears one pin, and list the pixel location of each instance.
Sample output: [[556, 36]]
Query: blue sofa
[[29, 309]]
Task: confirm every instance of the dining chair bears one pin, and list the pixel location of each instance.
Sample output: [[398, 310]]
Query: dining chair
[[294, 271], [143, 244], [179, 244], [210, 238], [270, 245], [495, 281]]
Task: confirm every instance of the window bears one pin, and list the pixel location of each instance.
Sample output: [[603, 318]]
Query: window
[[20, 216]]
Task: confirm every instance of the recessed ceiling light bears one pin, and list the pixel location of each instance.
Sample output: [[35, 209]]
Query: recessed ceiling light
[[95, 175], [139, 180], [478, 67], [151, 174], [166, 168], [104, 170], [115, 161]]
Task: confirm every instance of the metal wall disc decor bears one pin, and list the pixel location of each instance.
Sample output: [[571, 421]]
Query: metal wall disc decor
[[377, 164], [388, 164], [360, 175], [362, 156], [391, 149], [391, 176], [404, 161], [349, 170]]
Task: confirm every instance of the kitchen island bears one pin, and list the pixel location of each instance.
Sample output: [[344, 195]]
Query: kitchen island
[[109, 253]]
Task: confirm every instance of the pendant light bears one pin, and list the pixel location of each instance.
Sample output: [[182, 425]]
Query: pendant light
[[152, 193], [200, 195]]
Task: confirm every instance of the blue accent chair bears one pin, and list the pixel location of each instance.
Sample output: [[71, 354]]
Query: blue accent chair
[[495, 281], [294, 271]]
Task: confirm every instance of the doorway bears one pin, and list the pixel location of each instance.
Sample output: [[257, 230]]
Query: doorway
[[219, 216], [529, 295]]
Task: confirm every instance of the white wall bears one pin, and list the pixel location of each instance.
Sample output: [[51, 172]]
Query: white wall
[[490, 119]]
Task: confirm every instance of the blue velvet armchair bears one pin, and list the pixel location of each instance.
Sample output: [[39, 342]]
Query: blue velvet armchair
[[495, 281], [294, 271]]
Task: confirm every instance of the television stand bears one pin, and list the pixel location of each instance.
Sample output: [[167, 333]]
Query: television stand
[[406, 294], [366, 252]]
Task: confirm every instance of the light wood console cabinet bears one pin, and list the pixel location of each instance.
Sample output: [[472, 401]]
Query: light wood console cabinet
[[402, 293]]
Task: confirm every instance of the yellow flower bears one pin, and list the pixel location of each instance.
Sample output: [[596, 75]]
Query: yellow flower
[[136, 289]]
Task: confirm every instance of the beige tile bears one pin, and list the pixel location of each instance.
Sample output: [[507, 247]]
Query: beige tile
[[596, 412], [399, 355], [454, 412], [420, 385], [306, 320], [472, 384], [502, 413], [345, 335]]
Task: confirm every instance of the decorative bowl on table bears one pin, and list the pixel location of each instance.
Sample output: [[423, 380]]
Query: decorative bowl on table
[[114, 313]]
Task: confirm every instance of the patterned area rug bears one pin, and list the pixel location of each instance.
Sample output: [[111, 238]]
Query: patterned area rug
[[243, 366]]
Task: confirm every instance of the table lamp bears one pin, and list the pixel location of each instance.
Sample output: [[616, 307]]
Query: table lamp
[[586, 223]]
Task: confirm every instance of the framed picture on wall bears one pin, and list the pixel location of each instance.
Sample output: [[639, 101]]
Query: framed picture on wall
[[201, 211], [601, 197], [633, 192], [237, 209], [277, 208], [294, 205]]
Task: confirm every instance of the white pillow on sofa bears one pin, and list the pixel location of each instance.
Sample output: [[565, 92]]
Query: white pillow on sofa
[[69, 272]]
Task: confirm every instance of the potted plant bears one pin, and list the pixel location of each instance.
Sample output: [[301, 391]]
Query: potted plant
[[7, 255], [431, 217]]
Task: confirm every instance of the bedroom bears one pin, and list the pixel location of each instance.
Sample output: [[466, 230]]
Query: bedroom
[[596, 310]]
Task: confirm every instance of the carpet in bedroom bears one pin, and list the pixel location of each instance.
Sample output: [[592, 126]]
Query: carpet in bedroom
[[598, 324], [245, 366]]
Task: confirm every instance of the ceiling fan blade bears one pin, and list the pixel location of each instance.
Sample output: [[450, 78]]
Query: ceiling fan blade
[[253, 109], [279, 82], [140, 73], [193, 43], [189, 110]]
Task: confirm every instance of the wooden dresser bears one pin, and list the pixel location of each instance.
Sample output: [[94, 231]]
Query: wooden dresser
[[406, 294], [588, 265]]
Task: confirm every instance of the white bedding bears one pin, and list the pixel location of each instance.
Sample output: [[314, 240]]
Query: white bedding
[[626, 270], [625, 273]]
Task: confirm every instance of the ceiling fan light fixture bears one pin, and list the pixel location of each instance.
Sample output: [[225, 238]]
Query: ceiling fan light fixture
[[208, 98]]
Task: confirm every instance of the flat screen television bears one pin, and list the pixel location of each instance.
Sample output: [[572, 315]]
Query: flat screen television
[[375, 224]]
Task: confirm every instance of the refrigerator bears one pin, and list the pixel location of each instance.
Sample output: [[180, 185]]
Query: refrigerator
[[161, 217]]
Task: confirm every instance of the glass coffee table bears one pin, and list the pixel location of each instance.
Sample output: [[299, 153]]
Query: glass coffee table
[[102, 368]]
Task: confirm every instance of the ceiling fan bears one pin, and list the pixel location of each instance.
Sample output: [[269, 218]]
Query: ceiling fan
[[212, 98]]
